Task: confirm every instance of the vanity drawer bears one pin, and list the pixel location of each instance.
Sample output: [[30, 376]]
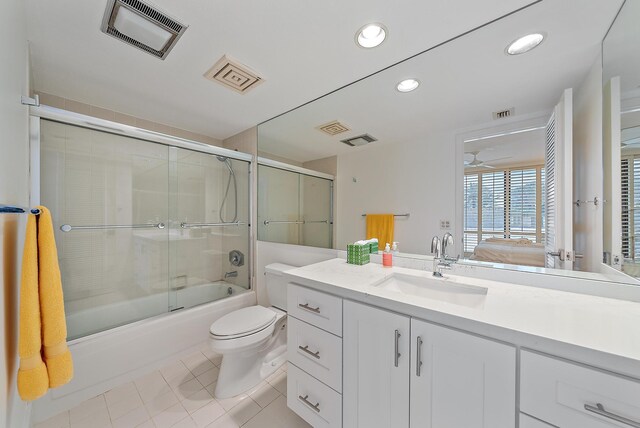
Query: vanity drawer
[[316, 308], [567, 395], [316, 352], [312, 400]]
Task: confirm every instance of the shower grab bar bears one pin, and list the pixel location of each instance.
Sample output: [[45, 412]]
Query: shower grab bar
[[12, 209], [69, 228], [197, 225], [268, 222]]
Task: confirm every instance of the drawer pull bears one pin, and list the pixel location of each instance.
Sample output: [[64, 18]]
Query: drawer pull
[[599, 409], [315, 407], [397, 348], [306, 349], [418, 355], [306, 307]]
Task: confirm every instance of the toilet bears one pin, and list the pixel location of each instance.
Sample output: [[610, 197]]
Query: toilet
[[252, 340]]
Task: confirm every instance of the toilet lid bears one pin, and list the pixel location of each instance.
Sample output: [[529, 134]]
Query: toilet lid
[[243, 321]]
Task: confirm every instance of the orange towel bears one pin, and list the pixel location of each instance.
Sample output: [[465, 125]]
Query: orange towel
[[43, 328], [380, 226]]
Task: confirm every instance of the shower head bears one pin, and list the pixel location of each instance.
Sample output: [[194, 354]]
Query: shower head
[[222, 158]]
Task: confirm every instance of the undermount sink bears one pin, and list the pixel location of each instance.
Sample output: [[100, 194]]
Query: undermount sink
[[441, 289]]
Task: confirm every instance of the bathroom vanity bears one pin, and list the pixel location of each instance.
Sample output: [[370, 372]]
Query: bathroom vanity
[[394, 347]]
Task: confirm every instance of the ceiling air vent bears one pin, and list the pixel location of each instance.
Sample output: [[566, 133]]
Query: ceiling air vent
[[360, 140], [504, 113], [233, 75], [142, 25], [333, 128]]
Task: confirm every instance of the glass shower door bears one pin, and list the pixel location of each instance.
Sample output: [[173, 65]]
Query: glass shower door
[[316, 195], [278, 205], [209, 228], [108, 197]]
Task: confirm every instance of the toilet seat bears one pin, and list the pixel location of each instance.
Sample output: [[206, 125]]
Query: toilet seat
[[242, 322]]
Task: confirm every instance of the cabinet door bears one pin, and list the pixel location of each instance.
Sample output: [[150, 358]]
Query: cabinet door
[[376, 368], [463, 381]]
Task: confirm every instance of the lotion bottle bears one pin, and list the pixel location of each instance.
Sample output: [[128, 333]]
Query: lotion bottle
[[387, 256]]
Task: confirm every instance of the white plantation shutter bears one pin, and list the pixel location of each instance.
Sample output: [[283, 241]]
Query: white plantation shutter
[[550, 190], [523, 203], [493, 203], [471, 212], [626, 208]]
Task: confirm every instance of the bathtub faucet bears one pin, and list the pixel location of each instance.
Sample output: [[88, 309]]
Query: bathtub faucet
[[232, 274]]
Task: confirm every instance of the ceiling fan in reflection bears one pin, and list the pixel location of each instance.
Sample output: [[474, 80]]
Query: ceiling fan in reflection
[[478, 163]]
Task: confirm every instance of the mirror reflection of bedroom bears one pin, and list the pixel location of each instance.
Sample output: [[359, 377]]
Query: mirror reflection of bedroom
[[504, 203]]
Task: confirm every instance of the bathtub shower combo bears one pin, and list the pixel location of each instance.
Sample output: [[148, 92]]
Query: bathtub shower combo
[[145, 224]]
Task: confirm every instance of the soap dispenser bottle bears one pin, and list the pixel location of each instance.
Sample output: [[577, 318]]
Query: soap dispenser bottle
[[387, 256], [394, 248]]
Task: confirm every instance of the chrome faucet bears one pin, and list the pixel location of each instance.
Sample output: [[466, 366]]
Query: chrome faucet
[[439, 250]]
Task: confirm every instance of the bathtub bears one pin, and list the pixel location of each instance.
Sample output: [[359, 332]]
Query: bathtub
[[82, 322], [119, 355]]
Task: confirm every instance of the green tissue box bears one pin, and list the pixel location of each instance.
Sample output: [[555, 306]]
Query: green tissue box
[[373, 248], [358, 254]]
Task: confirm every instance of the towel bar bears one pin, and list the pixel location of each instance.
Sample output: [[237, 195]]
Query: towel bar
[[69, 228], [395, 215], [11, 209], [197, 225]]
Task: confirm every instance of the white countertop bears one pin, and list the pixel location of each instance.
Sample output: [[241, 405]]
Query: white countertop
[[594, 330]]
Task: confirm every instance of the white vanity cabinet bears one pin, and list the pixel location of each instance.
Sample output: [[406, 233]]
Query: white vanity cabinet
[[463, 381], [376, 367], [460, 380]]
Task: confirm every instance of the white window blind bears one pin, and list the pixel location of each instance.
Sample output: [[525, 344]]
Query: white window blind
[[630, 174], [504, 203]]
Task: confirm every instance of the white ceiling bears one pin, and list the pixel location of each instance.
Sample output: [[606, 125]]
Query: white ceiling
[[463, 82], [303, 49]]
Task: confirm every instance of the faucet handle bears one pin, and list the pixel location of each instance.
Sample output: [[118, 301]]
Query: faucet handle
[[435, 246]]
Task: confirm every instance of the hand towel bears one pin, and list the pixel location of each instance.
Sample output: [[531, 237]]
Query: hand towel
[[33, 379], [43, 329], [380, 226], [57, 356]]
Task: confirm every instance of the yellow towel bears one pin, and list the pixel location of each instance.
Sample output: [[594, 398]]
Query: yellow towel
[[42, 319], [380, 226]]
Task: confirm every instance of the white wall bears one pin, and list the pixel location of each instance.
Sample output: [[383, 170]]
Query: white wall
[[587, 168], [14, 168], [415, 177], [294, 255]]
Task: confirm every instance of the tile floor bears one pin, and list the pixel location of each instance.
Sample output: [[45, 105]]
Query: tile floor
[[181, 395]]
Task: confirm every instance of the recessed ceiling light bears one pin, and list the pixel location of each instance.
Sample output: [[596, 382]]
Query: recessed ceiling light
[[371, 35], [524, 44], [407, 85]]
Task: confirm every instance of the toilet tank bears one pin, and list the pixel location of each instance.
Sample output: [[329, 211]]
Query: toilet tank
[[277, 284]]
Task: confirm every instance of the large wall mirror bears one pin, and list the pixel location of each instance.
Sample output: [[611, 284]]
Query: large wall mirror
[[502, 149], [621, 142]]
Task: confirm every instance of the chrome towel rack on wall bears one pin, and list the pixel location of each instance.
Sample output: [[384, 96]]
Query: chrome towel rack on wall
[[395, 215]]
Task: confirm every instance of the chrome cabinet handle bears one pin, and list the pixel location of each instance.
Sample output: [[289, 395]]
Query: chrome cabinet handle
[[397, 348], [599, 409], [306, 307], [315, 407], [418, 355], [306, 349]]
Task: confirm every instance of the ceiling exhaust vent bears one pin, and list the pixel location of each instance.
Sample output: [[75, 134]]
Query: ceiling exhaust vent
[[504, 113], [142, 25], [333, 128], [233, 75], [360, 140]]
